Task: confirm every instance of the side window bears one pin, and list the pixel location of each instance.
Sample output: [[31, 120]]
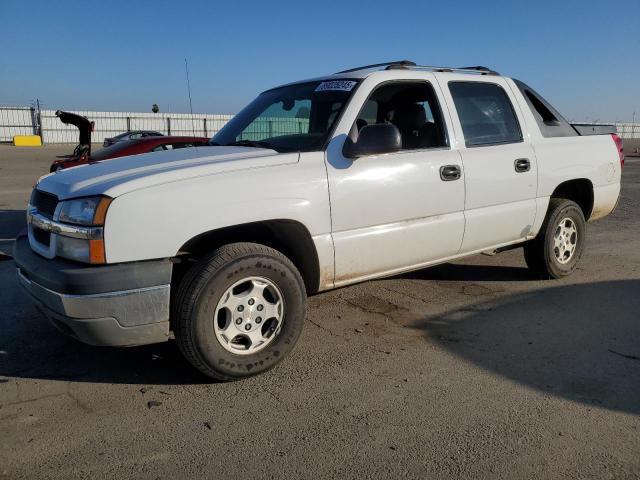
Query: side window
[[410, 106], [135, 136], [486, 114], [549, 120]]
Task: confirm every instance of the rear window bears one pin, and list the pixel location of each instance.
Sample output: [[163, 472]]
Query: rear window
[[549, 120], [486, 114]]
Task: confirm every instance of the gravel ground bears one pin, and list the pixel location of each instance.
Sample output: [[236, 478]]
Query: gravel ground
[[470, 369]]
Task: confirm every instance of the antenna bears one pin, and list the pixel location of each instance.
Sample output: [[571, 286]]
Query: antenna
[[193, 125]]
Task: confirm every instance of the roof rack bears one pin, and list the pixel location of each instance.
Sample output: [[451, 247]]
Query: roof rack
[[397, 63], [479, 69], [407, 64]]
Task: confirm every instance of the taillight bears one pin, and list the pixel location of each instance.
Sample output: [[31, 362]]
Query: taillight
[[618, 141]]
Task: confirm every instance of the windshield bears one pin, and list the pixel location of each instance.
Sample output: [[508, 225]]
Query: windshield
[[293, 118]]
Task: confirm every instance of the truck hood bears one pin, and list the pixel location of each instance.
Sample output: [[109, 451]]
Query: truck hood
[[118, 176]]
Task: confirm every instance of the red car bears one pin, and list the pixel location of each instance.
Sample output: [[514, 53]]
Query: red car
[[129, 147]]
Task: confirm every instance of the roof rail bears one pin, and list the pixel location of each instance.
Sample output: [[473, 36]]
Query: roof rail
[[480, 68], [402, 64], [395, 64]]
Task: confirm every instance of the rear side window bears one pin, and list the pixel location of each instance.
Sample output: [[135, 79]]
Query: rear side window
[[549, 120], [486, 114]]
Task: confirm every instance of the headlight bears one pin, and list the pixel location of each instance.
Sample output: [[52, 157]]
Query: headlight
[[84, 211], [86, 243]]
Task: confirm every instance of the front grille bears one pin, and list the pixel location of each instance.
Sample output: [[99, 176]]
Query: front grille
[[44, 202], [41, 236]]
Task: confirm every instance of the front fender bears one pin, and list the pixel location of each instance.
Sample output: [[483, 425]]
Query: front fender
[[155, 222]]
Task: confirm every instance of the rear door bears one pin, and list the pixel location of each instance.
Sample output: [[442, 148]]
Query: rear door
[[499, 161]]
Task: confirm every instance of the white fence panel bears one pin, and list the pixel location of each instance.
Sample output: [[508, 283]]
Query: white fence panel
[[628, 130], [23, 121], [158, 123], [109, 124], [15, 121]]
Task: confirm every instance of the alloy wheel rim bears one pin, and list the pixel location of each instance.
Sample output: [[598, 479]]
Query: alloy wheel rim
[[565, 240], [249, 315]]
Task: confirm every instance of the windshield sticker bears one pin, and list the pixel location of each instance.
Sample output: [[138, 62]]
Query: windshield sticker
[[336, 85]]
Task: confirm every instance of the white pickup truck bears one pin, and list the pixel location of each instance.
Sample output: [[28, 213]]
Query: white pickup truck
[[314, 185]]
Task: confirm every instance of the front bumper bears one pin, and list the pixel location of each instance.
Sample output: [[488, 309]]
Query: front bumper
[[111, 305]]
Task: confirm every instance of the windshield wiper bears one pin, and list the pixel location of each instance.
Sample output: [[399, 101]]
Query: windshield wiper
[[250, 143]]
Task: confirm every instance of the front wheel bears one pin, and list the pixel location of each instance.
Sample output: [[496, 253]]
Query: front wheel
[[555, 252], [239, 311]]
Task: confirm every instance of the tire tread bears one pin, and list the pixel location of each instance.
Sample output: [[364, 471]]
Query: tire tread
[[535, 253], [195, 279]]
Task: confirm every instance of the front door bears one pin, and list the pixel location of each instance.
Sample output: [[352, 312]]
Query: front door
[[396, 211]]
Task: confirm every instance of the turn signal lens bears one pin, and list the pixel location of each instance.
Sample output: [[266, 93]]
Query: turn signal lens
[[96, 252], [101, 211]]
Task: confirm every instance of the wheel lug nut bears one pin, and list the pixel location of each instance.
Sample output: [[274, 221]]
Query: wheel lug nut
[[238, 321], [240, 308], [258, 320], [247, 326], [251, 301], [260, 307]]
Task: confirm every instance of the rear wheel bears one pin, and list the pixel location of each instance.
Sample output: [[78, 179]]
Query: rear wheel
[[555, 252], [239, 311]]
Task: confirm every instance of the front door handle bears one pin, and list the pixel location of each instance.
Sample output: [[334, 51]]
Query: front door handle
[[522, 165], [450, 172]]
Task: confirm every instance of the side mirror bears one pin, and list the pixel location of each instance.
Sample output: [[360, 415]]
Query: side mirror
[[374, 140]]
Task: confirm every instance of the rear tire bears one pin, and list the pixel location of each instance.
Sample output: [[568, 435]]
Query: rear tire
[[555, 252], [239, 311]]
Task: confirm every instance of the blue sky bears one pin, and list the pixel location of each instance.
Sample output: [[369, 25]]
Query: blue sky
[[583, 56]]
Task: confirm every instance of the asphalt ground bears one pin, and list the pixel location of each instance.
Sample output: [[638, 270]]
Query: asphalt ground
[[472, 369]]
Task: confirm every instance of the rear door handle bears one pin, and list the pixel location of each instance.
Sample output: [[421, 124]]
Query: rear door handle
[[450, 172], [522, 165]]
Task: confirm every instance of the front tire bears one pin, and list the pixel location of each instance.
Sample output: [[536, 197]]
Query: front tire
[[239, 311], [555, 252]]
